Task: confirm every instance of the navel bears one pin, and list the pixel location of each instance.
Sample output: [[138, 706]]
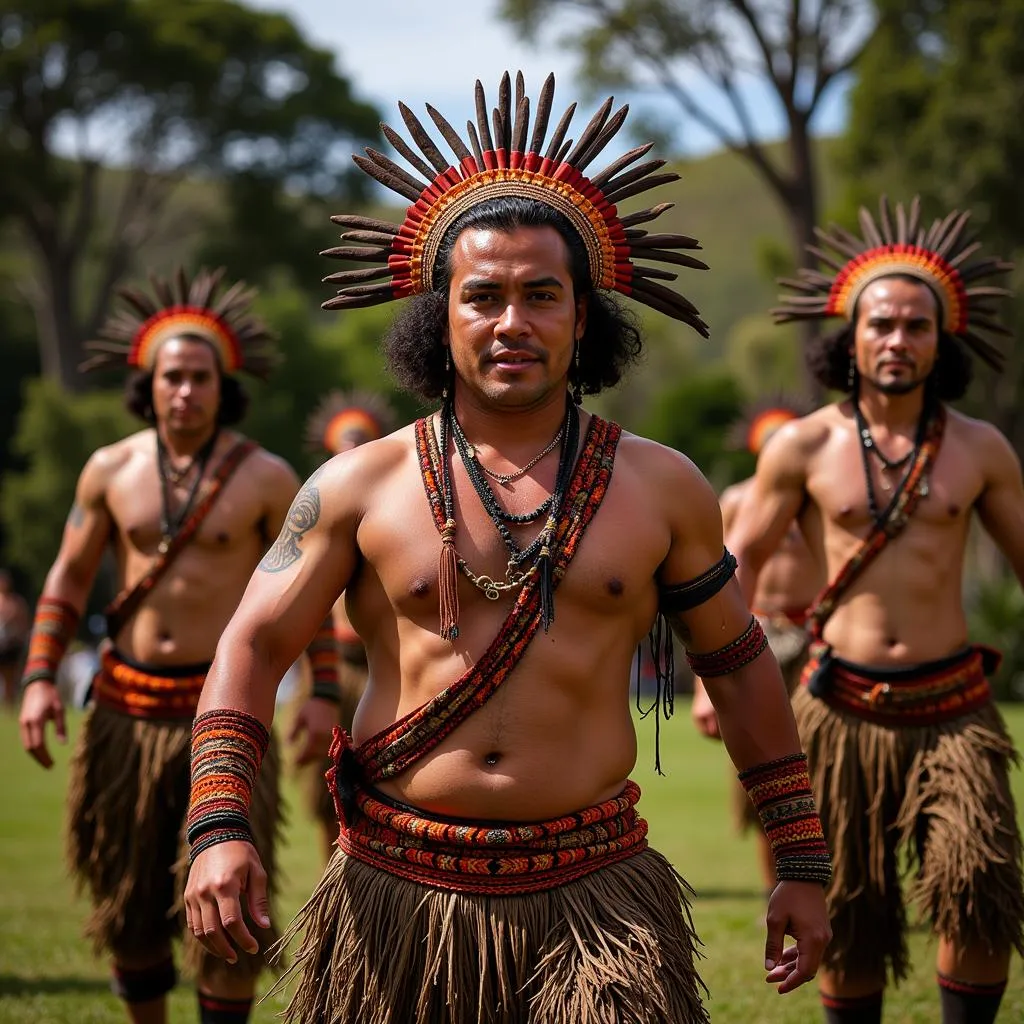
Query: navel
[[492, 758]]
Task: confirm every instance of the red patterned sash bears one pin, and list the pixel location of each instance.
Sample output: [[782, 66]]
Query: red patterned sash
[[494, 857], [124, 606], [413, 736], [157, 692], [925, 694]]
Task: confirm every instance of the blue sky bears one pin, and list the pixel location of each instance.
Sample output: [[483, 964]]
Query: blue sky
[[433, 52]]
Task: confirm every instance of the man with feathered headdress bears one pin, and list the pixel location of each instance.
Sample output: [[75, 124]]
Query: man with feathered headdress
[[906, 746], [786, 586], [189, 506], [502, 558], [342, 421]]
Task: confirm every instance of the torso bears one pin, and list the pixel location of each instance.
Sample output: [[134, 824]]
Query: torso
[[906, 607], [560, 726], [181, 619]]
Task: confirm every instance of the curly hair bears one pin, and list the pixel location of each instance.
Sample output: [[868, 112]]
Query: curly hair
[[138, 399], [414, 345], [829, 358]]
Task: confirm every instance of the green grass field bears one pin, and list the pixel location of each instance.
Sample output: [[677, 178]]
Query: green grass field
[[48, 975]]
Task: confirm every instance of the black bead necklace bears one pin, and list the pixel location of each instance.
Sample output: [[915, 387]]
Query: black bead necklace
[[170, 525]]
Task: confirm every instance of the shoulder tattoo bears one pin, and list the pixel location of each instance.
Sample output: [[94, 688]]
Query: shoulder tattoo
[[303, 515]]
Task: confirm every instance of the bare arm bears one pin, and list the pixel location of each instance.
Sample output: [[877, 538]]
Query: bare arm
[[754, 714], [1001, 503], [770, 503], [289, 595], [65, 592]]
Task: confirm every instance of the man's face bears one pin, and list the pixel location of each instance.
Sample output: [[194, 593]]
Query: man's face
[[896, 338], [512, 315], [186, 386]]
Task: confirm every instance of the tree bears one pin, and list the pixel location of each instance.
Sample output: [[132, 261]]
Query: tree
[[106, 105], [684, 48]]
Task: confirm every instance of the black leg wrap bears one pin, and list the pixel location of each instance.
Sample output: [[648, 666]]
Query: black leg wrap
[[215, 1010], [853, 1010], [145, 984], [965, 1002]]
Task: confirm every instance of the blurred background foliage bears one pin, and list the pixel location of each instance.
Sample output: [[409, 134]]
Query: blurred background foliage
[[222, 135]]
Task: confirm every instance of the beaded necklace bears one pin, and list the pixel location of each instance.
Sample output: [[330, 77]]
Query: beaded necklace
[[170, 525]]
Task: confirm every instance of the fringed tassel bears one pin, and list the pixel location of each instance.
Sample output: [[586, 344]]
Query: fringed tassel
[[663, 659], [448, 583], [547, 584]]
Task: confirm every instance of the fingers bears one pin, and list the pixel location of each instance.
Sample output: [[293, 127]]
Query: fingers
[[785, 965], [58, 721], [33, 739], [809, 953], [210, 931], [230, 913], [256, 895], [776, 927]]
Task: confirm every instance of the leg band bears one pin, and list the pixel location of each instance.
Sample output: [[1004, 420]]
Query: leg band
[[969, 1002], [853, 1009], [217, 1010], [144, 984]]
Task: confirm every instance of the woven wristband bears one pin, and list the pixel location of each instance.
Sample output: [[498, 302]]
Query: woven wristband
[[227, 750], [781, 792], [53, 629], [323, 659]]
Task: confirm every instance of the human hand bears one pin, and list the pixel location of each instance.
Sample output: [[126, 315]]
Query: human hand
[[40, 704], [218, 878], [797, 909], [703, 713], [313, 728]]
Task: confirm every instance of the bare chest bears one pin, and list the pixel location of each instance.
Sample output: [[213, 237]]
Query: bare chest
[[839, 488], [611, 571], [144, 517]]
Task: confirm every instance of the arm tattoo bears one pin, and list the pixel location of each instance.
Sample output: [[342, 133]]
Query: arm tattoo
[[302, 517], [76, 516]]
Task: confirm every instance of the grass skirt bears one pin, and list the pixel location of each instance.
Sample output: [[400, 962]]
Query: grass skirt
[[938, 793], [614, 947], [127, 801]]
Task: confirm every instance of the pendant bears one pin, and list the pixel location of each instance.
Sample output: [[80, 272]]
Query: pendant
[[164, 546], [923, 489], [489, 587]]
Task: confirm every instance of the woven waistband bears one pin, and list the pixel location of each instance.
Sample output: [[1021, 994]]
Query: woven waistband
[[923, 694], [492, 857], [157, 691]]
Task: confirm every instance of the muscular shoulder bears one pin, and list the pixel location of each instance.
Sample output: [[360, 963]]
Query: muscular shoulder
[[352, 479], [786, 459], [269, 470], [105, 464], [667, 481], [989, 447]]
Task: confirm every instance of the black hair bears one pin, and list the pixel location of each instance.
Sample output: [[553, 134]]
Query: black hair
[[413, 344], [829, 357], [138, 395]]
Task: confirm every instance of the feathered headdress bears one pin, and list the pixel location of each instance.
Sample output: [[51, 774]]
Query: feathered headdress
[[202, 306], [941, 256], [341, 411], [513, 161], [760, 419]]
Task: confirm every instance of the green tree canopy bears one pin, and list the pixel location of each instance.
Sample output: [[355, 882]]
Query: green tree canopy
[[105, 105]]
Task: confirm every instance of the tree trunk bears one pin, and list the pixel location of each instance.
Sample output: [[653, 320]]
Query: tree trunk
[[60, 340]]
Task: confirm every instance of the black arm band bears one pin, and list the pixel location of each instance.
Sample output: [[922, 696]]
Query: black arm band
[[681, 597]]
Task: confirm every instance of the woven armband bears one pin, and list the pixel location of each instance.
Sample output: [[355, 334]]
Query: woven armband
[[733, 656], [681, 597], [323, 659], [781, 792], [53, 629], [227, 749]]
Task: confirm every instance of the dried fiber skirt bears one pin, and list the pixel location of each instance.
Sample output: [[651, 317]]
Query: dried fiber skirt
[[614, 947], [127, 801], [938, 794]]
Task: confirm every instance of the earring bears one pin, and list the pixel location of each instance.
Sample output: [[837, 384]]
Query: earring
[[447, 372], [577, 384], [851, 378]]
